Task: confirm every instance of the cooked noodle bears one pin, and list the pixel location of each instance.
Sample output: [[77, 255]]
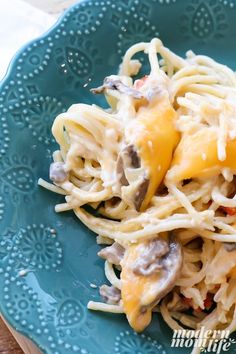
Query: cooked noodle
[[203, 94]]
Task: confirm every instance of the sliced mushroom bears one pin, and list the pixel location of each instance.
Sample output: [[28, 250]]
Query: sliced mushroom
[[113, 253], [120, 171], [141, 193], [230, 246], [151, 261], [130, 173], [114, 83], [132, 154], [140, 293], [128, 158], [57, 172], [110, 294]]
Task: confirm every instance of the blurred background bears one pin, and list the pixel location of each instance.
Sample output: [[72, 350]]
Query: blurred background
[[21, 21]]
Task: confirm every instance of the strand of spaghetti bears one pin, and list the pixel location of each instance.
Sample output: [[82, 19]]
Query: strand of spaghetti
[[100, 114], [194, 294], [203, 69], [59, 208], [77, 135], [92, 150], [88, 184], [210, 321], [167, 66], [101, 240], [91, 170], [111, 276], [125, 67], [59, 134], [214, 103], [85, 197], [166, 205], [100, 306], [151, 219], [57, 156], [227, 174], [220, 199], [225, 227], [217, 237], [105, 227], [183, 200], [214, 206], [168, 319], [197, 350], [193, 279], [168, 55], [231, 294], [87, 123], [232, 325], [152, 55], [51, 187], [94, 185], [184, 82], [219, 68], [212, 90], [220, 294], [117, 211], [184, 102], [186, 320], [222, 136], [170, 69], [188, 70], [226, 219]]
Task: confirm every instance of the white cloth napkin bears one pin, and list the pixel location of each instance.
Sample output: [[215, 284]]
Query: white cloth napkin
[[19, 23]]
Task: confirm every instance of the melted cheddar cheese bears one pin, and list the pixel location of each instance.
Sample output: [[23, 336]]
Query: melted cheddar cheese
[[138, 292], [155, 138], [196, 156], [133, 288], [232, 273]]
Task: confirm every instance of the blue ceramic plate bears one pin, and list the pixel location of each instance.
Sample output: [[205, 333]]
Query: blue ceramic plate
[[48, 304]]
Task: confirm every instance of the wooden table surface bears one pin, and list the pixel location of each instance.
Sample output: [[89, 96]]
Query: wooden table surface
[[8, 344]]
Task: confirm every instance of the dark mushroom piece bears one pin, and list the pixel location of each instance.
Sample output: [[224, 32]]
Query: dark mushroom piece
[[112, 83], [110, 294], [141, 292], [57, 172], [141, 193], [151, 260], [113, 253], [128, 158], [229, 246], [121, 172], [132, 154]]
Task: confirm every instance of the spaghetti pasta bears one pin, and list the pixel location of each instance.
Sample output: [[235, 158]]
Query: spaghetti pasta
[[158, 167]]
